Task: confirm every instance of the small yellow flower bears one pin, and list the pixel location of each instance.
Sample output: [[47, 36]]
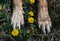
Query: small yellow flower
[[0, 7], [30, 20], [15, 32], [31, 13], [32, 1]]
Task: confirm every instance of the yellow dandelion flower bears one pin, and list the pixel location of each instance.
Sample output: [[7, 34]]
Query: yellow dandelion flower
[[30, 20], [32, 1], [0, 7], [15, 32], [31, 13]]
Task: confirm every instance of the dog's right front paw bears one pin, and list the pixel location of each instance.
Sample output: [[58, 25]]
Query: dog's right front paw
[[17, 19]]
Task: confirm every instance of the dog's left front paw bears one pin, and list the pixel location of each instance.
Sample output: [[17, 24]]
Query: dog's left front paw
[[46, 25]]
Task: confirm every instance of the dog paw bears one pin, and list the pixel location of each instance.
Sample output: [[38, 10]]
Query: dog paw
[[17, 18], [45, 26]]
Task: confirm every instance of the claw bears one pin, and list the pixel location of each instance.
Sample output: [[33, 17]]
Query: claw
[[39, 24], [22, 25], [14, 25], [18, 24], [43, 28], [48, 29]]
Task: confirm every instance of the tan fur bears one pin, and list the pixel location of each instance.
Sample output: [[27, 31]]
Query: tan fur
[[43, 16], [17, 17]]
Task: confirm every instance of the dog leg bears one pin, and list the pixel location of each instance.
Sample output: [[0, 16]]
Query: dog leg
[[17, 17], [43, 16]]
